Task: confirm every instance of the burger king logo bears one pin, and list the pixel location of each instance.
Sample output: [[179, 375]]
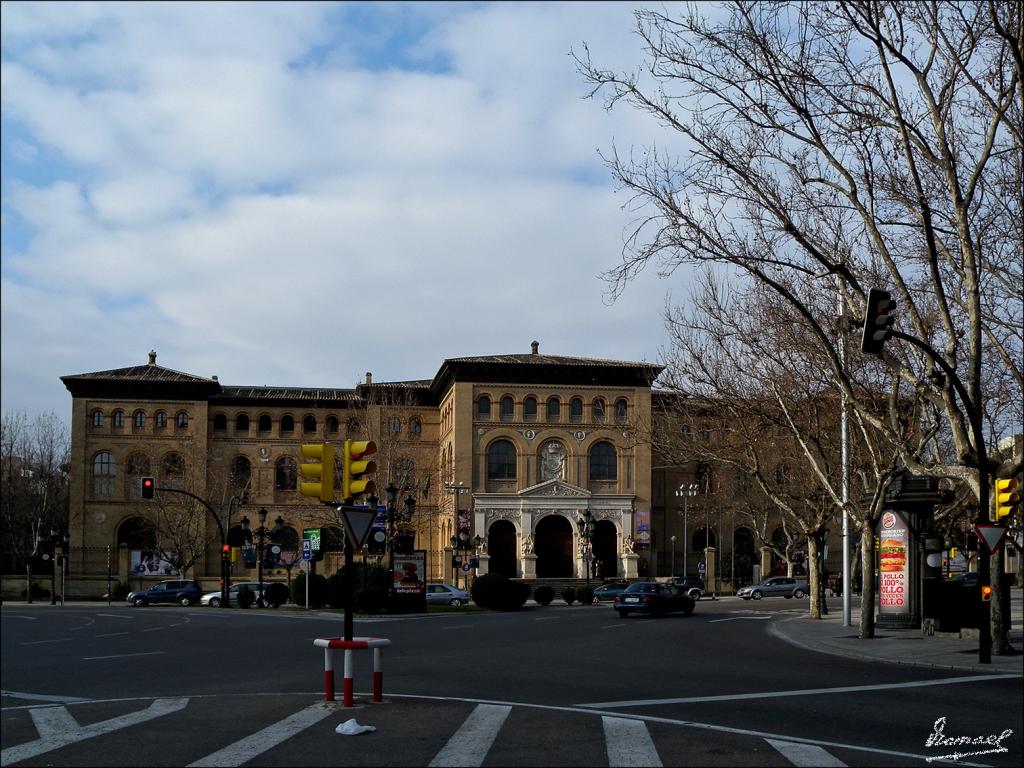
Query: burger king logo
[[888, 520]]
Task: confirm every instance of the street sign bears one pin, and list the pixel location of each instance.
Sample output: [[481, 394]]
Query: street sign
[[991, 535], [307, 549], [312, 535], [358, 521], [701, 566], [466, 567]]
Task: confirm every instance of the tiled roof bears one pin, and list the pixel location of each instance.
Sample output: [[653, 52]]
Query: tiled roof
[[538, 359], [287, 393], [147, 373]]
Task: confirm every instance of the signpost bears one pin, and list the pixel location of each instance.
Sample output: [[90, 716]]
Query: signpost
[[358, 521]]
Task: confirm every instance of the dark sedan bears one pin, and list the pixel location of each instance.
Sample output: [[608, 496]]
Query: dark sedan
[[654, 599], [608, 592]]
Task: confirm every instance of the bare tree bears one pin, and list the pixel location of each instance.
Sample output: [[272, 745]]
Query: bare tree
[[876, 143]]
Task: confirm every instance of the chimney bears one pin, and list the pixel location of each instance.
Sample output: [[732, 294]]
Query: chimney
[[214, 377], [534, 347], [369, 378], [152, 357]]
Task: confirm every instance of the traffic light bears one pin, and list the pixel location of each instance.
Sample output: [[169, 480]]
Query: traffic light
[[1007, 497], [322, 471], [877, 321], [225, 553], [356, 466], [148, 487], [986, 593]]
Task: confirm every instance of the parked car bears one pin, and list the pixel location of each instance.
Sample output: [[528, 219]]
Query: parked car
[[213, 598], [446, 594], [608, 592], [181, 591], [776, 586], [691, 585], [652, 598]]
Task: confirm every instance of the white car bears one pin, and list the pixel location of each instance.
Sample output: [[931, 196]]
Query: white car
[[213, 598], [446, 594]]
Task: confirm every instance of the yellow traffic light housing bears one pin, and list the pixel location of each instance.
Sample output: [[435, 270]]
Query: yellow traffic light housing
[[986, 593], [322, 471], [356, 466], [1007, 497]]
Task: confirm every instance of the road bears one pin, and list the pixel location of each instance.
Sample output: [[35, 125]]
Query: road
[[92, 685]]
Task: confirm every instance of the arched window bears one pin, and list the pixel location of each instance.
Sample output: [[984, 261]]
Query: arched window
[[104, 472], [501, 460], [97, 418], [287, 424], [309, 424], [172, 471], [241, 474], [483, 407], [288, 539], [684, 430], [530, 408], [332, 425], [264, 424], [220, 423], [620, 410], [118, 419], [139, 420], [603, 463], [597, 408], [415, 426], [242, 423], [705, 478], [705, 433], [161, 420], [395, 425], [182, 420], [285, 474], [508, 407], [137, 534], [576, 409], [554, 409]]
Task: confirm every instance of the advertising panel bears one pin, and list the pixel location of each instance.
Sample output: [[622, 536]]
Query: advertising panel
[[410, 574], [893, 564], [643, 528], [151, 564]]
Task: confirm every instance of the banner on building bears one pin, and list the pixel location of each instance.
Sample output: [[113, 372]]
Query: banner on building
[[151, 564], [643, 528]]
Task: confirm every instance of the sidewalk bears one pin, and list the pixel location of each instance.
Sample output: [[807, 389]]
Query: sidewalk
[[910, 646]]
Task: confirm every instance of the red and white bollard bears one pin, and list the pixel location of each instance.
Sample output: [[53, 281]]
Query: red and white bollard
[[332, 644]]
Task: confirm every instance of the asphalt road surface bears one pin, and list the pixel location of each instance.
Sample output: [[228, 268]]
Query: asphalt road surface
[[92, 685]]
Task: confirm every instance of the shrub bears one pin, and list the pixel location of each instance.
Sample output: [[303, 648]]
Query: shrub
[[40, 592], [585, 595], [544, 595], [371, 600], [276, 594], [317, 590], [120, 591], [569, 595], [246, 597], [499, 593]]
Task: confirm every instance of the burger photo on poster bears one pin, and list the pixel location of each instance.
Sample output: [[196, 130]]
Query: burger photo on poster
[[893, 555]]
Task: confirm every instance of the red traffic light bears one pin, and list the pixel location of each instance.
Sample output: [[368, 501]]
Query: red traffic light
[[148, 487], [986, 593], [225, 549]]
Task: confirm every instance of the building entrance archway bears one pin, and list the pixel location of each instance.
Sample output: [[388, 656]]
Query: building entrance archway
[[606, 550], [501, 546], [554, 548]]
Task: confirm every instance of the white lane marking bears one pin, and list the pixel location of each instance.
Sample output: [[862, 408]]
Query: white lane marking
[[459, 626], [122, 655], [804, 692], [613, 626], [629, 743], [53, 721], [42, 697], [116, 616], [737, 618], [469, 745], [154, 629], [77, 733], [808, 755], [112, 634], [252, 746], [17, 616], [40, 642], [548, 618]]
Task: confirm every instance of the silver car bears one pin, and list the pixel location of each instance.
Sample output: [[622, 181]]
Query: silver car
[[213, 598], [446, 594], [776, 586]]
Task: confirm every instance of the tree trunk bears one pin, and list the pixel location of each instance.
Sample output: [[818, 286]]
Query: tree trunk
[[1000, 624], [867, 575], [814, 576], [28, 581]]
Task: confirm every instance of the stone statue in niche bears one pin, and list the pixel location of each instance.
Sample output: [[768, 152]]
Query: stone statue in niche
[[552, 461], [629, 545], [527, 544]]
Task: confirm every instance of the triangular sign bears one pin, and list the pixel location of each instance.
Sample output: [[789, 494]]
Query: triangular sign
[[358, 521], [992, 535]]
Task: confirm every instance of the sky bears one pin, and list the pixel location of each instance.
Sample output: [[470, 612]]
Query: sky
[[295, 194]]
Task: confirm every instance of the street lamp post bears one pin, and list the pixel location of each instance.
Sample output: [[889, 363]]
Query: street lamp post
[[586, 526], [461, 537], [673, 571], [685, 492], [261, 542]]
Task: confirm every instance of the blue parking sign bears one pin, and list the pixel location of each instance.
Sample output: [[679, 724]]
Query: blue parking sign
[[307, 549]]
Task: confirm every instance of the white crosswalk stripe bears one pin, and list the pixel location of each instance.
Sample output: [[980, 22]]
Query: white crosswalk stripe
[[806, 754], [469, 745], [629, 743], [252, 746]]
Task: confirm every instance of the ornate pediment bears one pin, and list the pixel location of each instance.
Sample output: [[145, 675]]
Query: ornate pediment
[[555, 488]]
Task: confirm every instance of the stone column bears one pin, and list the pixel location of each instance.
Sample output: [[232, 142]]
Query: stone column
[[630, 567], [529, 564], [485, 565], [711, 570], [766, 562]]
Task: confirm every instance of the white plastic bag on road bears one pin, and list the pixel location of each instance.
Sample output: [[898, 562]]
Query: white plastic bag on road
[[351, 728]]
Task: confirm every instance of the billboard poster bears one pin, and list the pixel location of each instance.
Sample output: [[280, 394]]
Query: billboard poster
[[643, 528], [893, 565], [410, 573], [464, 523], [151, 564]]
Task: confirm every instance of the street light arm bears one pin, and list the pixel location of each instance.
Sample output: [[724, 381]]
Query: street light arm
[[216, 517]]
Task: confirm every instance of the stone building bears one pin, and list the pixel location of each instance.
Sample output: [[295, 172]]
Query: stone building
[[513, 449]]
